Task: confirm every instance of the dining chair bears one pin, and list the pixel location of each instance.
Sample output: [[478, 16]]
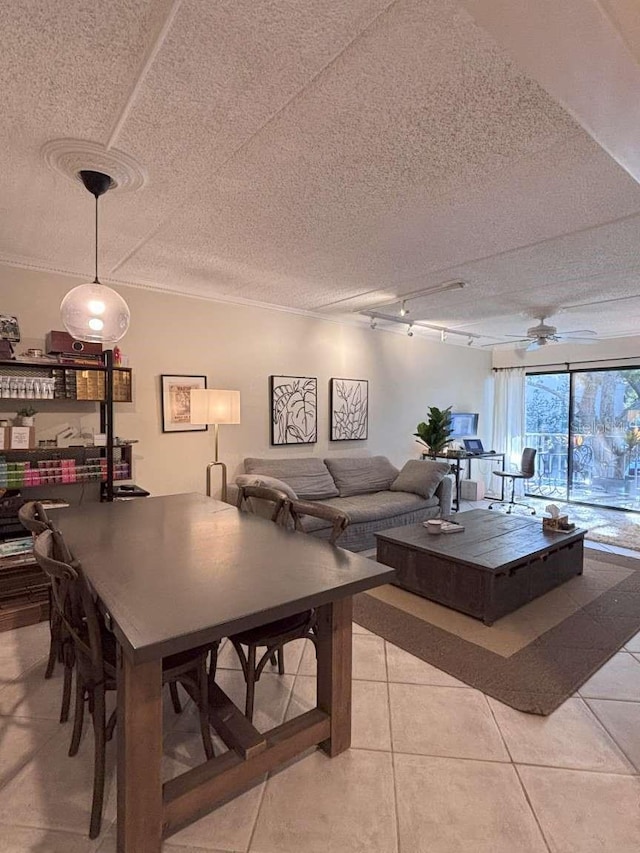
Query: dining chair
[[274, 502], [526, 471], [95, 659], [33, 517], [275, 635]]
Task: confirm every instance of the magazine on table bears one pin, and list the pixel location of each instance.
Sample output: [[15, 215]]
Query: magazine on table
[[438, 525], [451, 527]]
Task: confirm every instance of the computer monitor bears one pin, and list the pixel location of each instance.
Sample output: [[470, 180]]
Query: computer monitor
[[464, 424]]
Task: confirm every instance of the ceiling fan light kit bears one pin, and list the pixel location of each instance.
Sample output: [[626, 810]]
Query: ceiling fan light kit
[[94, 312]]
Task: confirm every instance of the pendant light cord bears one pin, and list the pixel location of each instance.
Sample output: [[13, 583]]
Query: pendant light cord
[[96, 281]]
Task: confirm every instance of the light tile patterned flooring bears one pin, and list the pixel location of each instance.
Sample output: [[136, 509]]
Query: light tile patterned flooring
[[435, 766]]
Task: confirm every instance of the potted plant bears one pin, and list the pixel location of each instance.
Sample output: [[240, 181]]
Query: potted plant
[[435, 433], [26, 416]]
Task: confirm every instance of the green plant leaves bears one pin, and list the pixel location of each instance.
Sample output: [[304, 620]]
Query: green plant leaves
[[436, 431]]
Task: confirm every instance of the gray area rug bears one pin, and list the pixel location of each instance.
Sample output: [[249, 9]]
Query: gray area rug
[[524, 663]]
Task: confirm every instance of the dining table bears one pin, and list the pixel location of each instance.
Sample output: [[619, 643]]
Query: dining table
[[176, 572]]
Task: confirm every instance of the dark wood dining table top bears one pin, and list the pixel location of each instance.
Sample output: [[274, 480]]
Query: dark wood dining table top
[[177, 571]]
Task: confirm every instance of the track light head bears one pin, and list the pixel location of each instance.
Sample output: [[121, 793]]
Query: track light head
[[443, 336], [373, 323], [410, 330], [403, 308], [469, 342]]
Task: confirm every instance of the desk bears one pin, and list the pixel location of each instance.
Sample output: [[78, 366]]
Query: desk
[[456, 463], [177, 572]]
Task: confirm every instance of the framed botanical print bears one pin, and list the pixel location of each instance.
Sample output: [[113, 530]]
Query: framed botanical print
[[176, 402], [294, 409], [349, 404]]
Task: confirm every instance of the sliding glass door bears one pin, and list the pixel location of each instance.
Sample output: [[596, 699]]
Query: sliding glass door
[[585, 425], [547, 429]]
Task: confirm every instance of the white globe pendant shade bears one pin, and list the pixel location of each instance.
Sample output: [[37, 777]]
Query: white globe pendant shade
[[95, 313]]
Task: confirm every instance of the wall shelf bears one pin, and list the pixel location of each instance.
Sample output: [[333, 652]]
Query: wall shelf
[[52, 385], [25, 381]]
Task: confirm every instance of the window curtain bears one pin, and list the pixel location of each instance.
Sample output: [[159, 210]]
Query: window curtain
[[509, 417]]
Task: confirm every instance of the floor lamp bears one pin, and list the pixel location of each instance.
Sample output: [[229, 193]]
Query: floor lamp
[[212, 406]]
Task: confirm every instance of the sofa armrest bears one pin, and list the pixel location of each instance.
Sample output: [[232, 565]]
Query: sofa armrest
[[444, 493], [232, 494]]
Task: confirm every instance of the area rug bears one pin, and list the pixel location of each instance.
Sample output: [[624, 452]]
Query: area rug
[[532, 659], [609, 526]]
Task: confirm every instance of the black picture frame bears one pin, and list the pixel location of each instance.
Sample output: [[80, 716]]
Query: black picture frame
[[348, 409], [175, 406], [293, 409]]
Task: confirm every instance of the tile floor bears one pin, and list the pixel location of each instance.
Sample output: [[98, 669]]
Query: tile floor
[[435, 765]]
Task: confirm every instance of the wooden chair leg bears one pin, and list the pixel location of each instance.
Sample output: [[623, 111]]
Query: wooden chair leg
[[280, 654], [175, 698], [203, 709], [78, 720], [99, 734], [251, 682], [213, 666], [113, 719], [66, 686], [54, 645]]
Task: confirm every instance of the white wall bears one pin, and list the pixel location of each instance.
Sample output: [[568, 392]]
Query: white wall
[[239, 347]]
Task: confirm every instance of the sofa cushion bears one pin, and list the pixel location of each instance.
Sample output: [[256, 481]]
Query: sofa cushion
[[307, 476], [361, 475], [421, 477], [267, 482], [373, 507]]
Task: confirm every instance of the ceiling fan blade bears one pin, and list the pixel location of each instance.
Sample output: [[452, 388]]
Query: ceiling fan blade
[[585, 333], [507, 343], [576, 340]]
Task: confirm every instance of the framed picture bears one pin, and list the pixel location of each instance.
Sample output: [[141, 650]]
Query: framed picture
[[176, 402], [294, 409], [9, 328], [349, 408]]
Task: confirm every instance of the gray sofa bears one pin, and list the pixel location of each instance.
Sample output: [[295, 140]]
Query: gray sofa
[[368, 489]]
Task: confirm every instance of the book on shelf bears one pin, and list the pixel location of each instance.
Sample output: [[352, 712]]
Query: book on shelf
[[13, 547]]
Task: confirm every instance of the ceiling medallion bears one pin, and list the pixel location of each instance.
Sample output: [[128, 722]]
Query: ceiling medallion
[[69, 157]]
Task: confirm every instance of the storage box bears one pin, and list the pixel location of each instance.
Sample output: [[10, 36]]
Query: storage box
[[5, 438], [471, 490], [22, 438]]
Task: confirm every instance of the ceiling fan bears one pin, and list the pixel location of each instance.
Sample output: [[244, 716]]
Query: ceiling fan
[[543, 334]]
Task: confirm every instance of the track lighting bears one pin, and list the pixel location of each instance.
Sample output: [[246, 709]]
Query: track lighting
[[470, 341], [403, 308], [373, 323], [443, 336], [410, 330]]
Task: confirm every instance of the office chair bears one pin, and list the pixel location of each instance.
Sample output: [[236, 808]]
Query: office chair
[[526, 472]]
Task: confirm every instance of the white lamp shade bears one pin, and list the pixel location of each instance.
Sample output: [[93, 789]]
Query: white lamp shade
[[95, 313], [212, 406]]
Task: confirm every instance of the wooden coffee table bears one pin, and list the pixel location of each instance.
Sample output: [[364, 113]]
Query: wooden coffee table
[[497, 564]]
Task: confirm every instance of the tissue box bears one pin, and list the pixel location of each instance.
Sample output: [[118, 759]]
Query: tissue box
[[555, 523]]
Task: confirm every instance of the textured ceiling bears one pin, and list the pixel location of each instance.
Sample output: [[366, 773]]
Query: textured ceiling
[[318, 155]]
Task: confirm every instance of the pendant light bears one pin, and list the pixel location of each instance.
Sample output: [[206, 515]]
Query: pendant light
[[94, 312]]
